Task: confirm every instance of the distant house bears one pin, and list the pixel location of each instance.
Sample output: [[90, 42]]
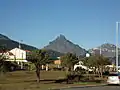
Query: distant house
[[18, 55], [56, 60]]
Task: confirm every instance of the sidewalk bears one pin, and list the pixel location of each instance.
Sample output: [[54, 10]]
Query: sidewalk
[[79, 86]]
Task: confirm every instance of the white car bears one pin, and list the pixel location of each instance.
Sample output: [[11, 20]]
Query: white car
[[114, 78]]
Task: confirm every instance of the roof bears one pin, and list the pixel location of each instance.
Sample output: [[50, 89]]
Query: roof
[[22, 49], [10, 53], [54, 58], [27, 50]]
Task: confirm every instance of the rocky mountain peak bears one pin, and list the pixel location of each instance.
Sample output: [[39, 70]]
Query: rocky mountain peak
[[63, 45], [61, 37]]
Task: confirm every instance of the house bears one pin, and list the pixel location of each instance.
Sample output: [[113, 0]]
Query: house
[[56, 60], [18, 55], [80, 64]]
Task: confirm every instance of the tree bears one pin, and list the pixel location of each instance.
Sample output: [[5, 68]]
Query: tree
[[69, 60], [101, 63], [96, 61], [88, 62], [38, 57], [2, 59], [2, 63]]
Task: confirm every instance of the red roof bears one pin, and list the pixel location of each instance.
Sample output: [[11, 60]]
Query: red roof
[[27, 50]]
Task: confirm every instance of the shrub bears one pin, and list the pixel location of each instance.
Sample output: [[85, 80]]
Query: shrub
[[73, 77]]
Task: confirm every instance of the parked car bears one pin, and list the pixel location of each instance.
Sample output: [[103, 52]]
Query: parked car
[[114, 78]]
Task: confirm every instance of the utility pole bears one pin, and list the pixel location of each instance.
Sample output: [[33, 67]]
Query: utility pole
[[117, 29]]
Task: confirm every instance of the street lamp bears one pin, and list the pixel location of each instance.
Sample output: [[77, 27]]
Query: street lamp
[[117, 30], [100, 50]]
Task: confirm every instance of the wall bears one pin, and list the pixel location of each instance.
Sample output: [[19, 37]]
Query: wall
[[57, 62], [19, 53]]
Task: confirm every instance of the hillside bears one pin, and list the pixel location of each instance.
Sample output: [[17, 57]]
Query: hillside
[[54, 54], [10, 44], [62, 45], [108, 50]]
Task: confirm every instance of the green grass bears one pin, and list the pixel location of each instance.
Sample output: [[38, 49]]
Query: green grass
[[26, 80]]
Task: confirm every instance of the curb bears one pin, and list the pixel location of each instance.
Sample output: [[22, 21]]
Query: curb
[[86, 86]]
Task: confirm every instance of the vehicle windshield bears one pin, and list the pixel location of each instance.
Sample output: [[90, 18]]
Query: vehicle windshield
[[114, 74]]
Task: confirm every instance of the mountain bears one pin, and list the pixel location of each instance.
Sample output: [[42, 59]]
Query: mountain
[[54, 54], [3, 37], [62, 45], [10, 44], [108, 50]]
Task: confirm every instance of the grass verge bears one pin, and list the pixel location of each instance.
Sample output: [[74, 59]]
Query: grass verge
[[26, 80]]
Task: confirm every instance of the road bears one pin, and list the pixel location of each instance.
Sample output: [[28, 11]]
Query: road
[[95, 88]]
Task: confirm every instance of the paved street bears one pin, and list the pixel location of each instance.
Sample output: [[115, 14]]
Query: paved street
[[96, 88]]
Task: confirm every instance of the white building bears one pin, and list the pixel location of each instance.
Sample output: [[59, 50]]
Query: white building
[[18, 55], [80, 64]]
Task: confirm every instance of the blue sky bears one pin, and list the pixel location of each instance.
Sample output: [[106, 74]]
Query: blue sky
[[88, 23]]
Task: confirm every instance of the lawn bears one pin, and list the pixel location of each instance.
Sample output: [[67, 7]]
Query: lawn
[[26, 80]]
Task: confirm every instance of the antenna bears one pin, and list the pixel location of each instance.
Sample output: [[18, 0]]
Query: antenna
[[20, 44]]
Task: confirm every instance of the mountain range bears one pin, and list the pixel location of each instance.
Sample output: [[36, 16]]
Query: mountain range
[[62, 45], [108, 50]]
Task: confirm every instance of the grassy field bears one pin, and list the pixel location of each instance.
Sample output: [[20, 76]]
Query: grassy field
[[26, 80]]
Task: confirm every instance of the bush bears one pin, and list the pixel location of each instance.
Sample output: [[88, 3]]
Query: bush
[[73, 77], [54, 67], [8, 66], [31, 66], [80, 70]]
